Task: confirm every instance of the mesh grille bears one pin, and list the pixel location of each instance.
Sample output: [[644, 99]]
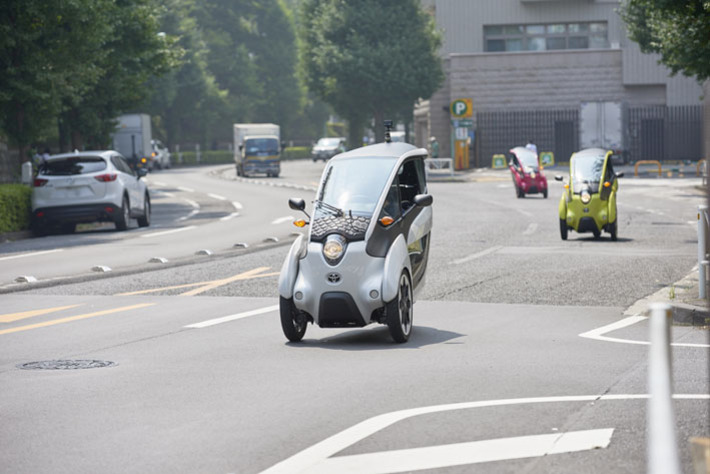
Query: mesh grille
[[352, 228]]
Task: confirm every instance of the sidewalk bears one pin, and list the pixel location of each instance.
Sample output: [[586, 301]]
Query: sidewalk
[[683, 297]]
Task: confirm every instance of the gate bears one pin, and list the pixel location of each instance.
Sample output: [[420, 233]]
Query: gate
[[666, 133]]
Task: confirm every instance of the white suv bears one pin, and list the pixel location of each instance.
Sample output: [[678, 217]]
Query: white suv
[[160, 157], [89, 186]]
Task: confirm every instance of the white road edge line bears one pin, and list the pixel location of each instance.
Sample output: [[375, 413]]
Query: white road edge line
[[322, 450], [460, 454], [31, 254], [233, 317], [598, 334], [281, 220], [171, 231], [477, 255], [217, 196]]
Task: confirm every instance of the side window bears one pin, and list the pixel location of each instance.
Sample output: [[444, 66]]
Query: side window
[[117, 163], [409, 184], [421, 174], [125, 167], [392, 204]]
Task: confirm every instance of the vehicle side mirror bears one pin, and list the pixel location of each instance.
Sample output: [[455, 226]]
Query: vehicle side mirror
[[297, 204], [142, 172], [423, 200], [558, 177], [620, 174]]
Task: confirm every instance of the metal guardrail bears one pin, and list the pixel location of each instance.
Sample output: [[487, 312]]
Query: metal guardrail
[[439, 164], [661, 447], [647, 162], [702, 242]]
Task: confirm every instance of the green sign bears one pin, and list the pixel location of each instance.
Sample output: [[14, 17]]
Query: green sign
[[499, 162], [547, 158], [462, 123], [461, 108]]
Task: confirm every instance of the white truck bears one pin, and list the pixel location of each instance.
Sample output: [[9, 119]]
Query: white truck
[[132, 139], [257, 148], [601, 125]]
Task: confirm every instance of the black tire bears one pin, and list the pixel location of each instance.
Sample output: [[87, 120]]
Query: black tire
[[597, 233], [613, 228], [563, 229], [239, 171], [124, 216], [275, 175], [400, 311], [68, 227], [544, 193], [293, 329], [144, 220], [39, 230]]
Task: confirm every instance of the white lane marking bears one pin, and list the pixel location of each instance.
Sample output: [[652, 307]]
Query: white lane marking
[[477, 255], [31, 254], [237, 205], [531, 228], [598, 333], [164, 193], [501, 186], [321, 451], [192, 213], [159, 183], [192, 203], [460, 454], [281, 220], [172, 231], [187, 190], [217, 196], [494, 203], [233, 317], [230, 216]]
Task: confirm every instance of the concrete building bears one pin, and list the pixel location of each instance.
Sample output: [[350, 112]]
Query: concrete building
[[536, 62]]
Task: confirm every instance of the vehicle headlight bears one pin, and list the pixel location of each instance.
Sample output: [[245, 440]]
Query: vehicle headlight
[[585, 197], [334, 247]]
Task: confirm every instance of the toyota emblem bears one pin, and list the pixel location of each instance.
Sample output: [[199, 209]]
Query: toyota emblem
[[333, 278]]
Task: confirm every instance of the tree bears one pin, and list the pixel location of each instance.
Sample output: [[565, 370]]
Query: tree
[[679, 30], [369, 58]]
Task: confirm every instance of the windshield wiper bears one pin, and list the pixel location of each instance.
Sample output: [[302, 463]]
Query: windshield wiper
[[329, 207]]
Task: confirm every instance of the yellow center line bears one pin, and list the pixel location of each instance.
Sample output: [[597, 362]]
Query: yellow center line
[[166, 288], [217, 283], [8, 318], [75, 318]]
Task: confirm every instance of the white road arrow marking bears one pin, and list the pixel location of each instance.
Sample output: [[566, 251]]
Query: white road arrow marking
[[598, 333], [434, 457], [477, 255], [531, 228]]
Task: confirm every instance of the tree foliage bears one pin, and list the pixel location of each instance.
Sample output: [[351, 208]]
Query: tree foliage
[[369, 58], [679, 30]]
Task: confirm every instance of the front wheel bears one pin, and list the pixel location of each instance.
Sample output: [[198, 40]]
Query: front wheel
[[400, 311], [124, 217], [293, 327], [563, 229], [613, 229], [144, 220]]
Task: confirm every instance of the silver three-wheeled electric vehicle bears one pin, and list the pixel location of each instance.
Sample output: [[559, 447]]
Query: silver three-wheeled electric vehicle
[[365, 254]]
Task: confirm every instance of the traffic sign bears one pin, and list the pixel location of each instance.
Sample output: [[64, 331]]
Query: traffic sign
[[498, 162], [547, 158], [461, 108]]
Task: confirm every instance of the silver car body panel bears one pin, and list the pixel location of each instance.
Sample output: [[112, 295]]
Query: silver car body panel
[[397, 259], [289, 269]]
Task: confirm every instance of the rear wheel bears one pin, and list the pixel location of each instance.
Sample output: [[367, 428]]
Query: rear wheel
[[563, 229], [292, 322], [597, 233], [124, 215], [613, 229], [144, 220], [544, 193], [400, 311]]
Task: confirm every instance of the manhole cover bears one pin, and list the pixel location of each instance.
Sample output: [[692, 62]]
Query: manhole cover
[[66, 364]]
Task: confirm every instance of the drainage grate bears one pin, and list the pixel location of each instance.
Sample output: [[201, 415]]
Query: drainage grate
[[66, 364]]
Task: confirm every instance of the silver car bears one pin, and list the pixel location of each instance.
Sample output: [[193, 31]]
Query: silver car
[[366, 251], [89, 186]]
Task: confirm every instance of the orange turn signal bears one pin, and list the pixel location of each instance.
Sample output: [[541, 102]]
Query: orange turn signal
[[154, 154], [566, 186], [143, 160], [607, 184], [300, 223], [387, 220]]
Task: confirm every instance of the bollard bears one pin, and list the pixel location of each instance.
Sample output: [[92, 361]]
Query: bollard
[[702, 238], [661, 448], [703, 289]]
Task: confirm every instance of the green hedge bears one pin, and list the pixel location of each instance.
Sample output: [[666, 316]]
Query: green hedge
[[297, 153], [15, 207]]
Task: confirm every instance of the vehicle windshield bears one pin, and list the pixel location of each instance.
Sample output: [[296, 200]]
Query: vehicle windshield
[[262, 146], [529, 160], [354, 185], [587, 170], [329, 142], [73, 165]]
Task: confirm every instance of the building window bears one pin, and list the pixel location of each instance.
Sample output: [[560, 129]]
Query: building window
[[503, 38]]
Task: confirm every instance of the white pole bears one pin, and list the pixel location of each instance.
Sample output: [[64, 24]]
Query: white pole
[[177, 148], [661, 448], [702, 236], [197, 153]]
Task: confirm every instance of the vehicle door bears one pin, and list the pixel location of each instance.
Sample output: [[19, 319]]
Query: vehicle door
[[129, 182]]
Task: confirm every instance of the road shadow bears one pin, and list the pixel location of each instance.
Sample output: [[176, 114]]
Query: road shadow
[[377, 338], [602, 239]]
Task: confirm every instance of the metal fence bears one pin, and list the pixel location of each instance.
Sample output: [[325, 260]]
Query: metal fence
[[551, 130], [665, 133]]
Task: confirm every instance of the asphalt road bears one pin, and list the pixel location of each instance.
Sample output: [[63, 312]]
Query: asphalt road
[[504, 346]]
